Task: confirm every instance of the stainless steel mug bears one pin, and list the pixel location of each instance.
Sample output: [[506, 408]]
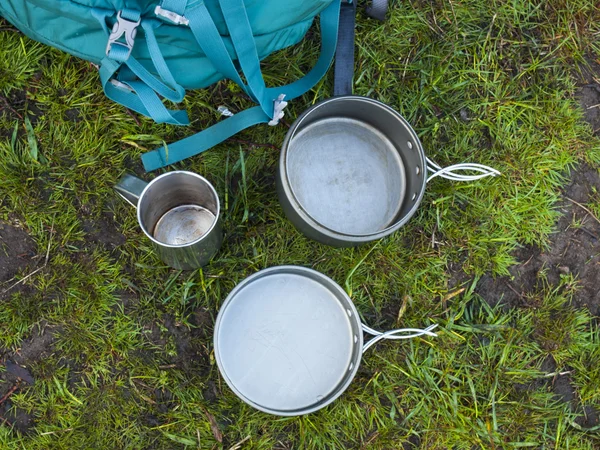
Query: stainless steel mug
[[179, 212]]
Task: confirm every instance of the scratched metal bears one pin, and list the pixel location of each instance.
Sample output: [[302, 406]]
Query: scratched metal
[[347, 174], [288, 340], [351, 170], [183, 224]]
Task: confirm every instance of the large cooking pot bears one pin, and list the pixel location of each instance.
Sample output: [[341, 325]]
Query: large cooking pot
[[352, 170]]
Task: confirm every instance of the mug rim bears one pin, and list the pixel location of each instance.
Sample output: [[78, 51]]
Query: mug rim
[[187, 244]]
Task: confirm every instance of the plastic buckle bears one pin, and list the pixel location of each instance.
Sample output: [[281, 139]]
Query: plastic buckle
[[123, 27], [170, 16], [278, 107]]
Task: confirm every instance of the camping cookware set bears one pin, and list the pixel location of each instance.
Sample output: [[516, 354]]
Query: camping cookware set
[[288, 340]]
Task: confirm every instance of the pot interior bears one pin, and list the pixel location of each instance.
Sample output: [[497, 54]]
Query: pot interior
[[288, 340], [355, 166]]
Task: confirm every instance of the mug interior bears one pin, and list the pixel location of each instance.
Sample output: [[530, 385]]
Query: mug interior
[[178, 208]]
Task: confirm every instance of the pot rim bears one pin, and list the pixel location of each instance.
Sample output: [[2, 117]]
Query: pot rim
[[353, 317]]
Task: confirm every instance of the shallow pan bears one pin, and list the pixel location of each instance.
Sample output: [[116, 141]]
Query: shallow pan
[[288, 340], [351, 170]]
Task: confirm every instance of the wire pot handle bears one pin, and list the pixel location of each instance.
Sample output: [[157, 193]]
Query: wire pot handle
[[399, 333], [453, 172]]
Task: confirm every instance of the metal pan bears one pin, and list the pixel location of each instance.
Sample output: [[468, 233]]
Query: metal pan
[[288, 340], [351, 170]]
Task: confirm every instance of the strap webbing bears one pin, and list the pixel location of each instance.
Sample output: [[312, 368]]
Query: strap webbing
[[193, 145], [234, 12], [203, 140], [173, 91], [176, 6], [212, 44], [329, 21], [137, 96], [344, 56], [140, 98], [242, 38]]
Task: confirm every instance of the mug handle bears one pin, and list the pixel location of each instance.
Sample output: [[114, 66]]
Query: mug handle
[[130, 188], [396, 334]]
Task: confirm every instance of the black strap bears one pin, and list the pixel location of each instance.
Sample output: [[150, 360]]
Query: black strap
[[378, 9], [344, 55]]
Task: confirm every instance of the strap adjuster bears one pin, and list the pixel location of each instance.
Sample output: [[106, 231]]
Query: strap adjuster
[[278, 107], [170, 16], [120, 85], [126, 28]]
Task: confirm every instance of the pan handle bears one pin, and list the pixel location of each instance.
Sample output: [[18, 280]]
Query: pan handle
[[476, 171], [398, 333]]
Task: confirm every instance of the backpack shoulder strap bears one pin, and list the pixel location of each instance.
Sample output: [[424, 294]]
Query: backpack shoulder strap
[[344, 55]]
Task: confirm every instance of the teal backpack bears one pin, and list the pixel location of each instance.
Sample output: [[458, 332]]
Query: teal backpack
[[148, 50]]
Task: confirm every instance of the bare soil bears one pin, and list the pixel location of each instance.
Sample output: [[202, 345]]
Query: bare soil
[[574, 249]]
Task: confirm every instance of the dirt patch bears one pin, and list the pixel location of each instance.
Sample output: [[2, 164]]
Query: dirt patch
[[103, 231], [588, 94], [17, 250], [17, 105], [575, 246], [18, 255], [189, 352], [574, 249], [562, 387], [17, 376], [589, 99]]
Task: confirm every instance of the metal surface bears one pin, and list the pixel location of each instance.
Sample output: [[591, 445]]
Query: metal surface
[[288, 340], [183, 224], [347, 174], [179, 212], [352, 170]]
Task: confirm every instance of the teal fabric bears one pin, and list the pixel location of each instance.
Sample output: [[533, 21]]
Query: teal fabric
[[64, 23], [222, 39], [206, 139]]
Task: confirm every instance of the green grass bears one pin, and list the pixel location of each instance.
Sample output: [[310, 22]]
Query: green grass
[[481, 81]]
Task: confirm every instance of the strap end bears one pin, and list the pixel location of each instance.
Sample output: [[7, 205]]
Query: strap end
[[154, 160]]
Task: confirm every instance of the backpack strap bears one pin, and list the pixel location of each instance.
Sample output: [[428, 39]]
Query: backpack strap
[[212, 44], [205, 31], [270, 99], [344, 55], [119, 71], [137, 96], [242, 38], [202, 141]]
